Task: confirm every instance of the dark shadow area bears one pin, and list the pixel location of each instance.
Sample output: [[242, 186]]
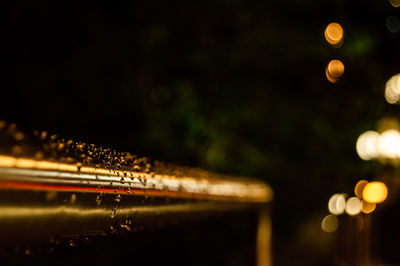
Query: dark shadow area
[[228, 240]]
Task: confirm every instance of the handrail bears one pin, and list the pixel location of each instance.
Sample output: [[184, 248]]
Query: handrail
[[47, 196], [41, 200], [23, 173]]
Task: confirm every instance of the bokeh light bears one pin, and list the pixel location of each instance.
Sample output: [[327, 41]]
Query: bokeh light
[[395, 3], [330, 223], [393, 24], [329, 77], [334, 34], [392, 90], [358, 189], [388, 145], [359, 223], [336, 204], [367, 145], [375, 192], [388, 122], [353, 206], [367, 207], [334, 70]]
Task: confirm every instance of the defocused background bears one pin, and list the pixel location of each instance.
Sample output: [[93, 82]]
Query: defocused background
[[237, 87]]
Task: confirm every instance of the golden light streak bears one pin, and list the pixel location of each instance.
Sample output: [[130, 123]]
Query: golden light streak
[[20, 212], [264, 234], [215, 187]]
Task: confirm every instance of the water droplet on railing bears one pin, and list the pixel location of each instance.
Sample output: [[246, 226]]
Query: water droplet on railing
[[113, 212], [28, 252], [98, 200], [72, 199], [73, 243], [78, 166], [118, 198]]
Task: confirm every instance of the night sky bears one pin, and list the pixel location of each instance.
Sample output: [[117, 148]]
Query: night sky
[[236, 87]]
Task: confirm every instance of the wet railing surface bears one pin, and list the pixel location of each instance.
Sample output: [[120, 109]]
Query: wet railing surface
[[54, 190]]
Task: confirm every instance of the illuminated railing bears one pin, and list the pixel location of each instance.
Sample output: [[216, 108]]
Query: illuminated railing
[[40, 199]]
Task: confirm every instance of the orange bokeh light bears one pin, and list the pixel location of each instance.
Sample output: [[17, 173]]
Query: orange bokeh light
[[367, 207], [358, 190], [334, 34], [334, 70]]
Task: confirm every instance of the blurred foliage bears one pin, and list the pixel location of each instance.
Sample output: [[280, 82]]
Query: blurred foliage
[[232, 86]]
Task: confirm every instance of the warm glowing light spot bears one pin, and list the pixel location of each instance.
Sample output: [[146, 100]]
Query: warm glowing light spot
[[26, 163], [388, 145], [353, 206], [359, 223], [392, 90], [336, 204], [7, 161], [367, 145], [395, 3], [330, 223], [367, 207], [334, 34], [390, 96], [334, 70], [375, 192], [358, 190], [329, 77]]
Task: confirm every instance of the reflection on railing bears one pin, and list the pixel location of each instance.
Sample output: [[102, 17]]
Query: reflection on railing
[[65, 190], [22, 173]]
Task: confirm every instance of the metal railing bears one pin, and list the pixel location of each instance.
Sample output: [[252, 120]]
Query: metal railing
[[44, 199]]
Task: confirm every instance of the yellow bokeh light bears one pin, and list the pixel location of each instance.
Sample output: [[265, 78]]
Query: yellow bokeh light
[[388, 145], [334, 70], [353, 206], [334, 34], [367, 145], [330, 223], [392, 90], [367, 207], [358, 189], [395, 3], [375, 192]]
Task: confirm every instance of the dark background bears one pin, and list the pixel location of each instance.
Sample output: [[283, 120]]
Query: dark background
[[235, 86]]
